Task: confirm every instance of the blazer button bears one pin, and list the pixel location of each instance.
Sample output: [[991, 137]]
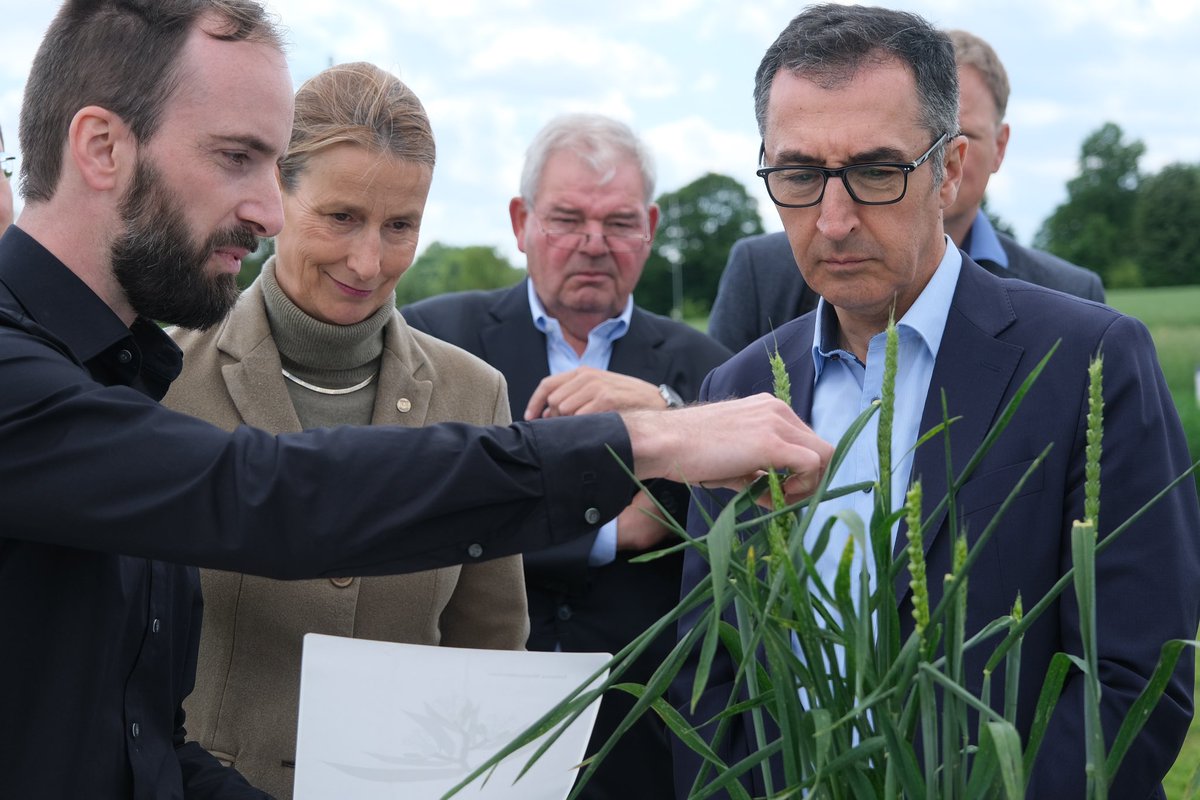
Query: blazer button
[[591, 516], [341, 583], [404, 405], [475, 550], [564, 612]]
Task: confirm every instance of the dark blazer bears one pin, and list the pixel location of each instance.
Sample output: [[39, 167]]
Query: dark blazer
[[584, 608], [762, 288], [1147, 592]]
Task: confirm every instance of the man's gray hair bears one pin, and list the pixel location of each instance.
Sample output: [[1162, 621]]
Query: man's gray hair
[[602, 142]]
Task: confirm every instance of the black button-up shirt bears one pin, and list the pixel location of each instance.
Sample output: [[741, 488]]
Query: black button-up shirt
[[104, 495]]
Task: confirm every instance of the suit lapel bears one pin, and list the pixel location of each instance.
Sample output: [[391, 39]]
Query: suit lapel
[[254, 380], [974, 369], [639, 353], [401, 398], [510, 343]]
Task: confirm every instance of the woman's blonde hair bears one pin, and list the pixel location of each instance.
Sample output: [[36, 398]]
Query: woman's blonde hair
[[361, 104]]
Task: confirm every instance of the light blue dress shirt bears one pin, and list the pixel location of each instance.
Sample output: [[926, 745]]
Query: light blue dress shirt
[[563, 358], [983, 244], [844, 387]]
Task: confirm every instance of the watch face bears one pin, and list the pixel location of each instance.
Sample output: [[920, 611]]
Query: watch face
[[670, 396]]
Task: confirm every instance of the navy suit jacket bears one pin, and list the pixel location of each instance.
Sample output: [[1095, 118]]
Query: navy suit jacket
[[572, 605], [996, 332], [761, 288]]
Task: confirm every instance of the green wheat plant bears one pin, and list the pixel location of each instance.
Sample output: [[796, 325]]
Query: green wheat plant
[[882, 715]]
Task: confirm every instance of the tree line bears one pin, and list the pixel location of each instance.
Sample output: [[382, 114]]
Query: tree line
[[1133, 228]]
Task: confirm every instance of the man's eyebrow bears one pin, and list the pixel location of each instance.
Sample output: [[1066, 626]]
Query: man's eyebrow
[[800, 158], [247, 141]]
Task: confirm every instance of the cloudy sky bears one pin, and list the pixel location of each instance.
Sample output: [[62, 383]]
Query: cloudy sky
[[491, 72]]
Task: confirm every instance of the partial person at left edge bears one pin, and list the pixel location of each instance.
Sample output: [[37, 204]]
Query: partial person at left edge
[[6, 195], [151, 131]]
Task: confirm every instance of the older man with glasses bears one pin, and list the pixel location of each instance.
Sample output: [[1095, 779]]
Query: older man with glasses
[[761, 287], [848, 100], [570, 340]]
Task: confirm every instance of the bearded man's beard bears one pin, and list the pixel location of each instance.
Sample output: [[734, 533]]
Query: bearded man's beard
[[159, 265]]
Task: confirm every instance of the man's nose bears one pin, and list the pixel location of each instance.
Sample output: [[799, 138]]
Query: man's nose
[[262, 212], [839, 212]]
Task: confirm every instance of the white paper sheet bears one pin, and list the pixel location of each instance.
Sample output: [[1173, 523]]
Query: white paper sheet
[[384, 721]]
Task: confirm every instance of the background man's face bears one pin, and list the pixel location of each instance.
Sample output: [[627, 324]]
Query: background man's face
[[590, 279], [987, 138], [862, 259]]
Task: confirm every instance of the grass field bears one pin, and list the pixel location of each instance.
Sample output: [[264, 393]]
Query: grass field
[[1173, 317]]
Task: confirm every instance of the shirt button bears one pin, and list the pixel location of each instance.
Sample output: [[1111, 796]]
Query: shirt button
[[154, 626], [564, 612], [591, 516], [475, 550], [341, 583], [135, 730], [404, 405], [124, 356]]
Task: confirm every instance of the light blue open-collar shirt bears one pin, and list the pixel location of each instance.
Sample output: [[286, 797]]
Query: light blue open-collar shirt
[[844, 387], [983, 244], [563, 358]]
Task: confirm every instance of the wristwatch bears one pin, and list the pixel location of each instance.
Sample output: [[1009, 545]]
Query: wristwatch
[[670, 396]]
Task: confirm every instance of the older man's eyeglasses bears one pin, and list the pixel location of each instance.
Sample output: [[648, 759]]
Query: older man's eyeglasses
[[875, 184], [6, 163], [570, 233]]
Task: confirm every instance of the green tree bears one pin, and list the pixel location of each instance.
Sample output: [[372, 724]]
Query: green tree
[[1167, 233], [442, 268], [1094, 227], [252, 264], [697, 227]]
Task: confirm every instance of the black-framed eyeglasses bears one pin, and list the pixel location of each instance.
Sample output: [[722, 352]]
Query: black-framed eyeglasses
[[570, 233], [875, 184], [6, 164]]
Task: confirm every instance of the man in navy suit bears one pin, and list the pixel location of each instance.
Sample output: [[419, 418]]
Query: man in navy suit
[[857, 108], [570, 340], [761, 287]]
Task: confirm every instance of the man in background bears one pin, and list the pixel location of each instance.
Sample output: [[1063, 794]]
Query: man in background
[[570, 340], [761, 287]]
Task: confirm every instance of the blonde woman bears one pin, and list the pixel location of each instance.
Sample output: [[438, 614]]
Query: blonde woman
[[316, 342]]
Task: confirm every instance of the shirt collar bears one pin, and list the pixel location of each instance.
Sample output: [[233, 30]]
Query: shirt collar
[[608, 331], [58, 300], [926, 317], [982, 243]]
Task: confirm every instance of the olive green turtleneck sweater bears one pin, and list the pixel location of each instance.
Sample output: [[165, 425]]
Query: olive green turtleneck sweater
[[325, 355]]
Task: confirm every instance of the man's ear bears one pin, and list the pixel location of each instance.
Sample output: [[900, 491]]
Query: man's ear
[[956, 152], [652, 212], [518, 214], [1001, 145], [101, 147]]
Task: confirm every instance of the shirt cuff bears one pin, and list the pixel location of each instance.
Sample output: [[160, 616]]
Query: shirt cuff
[[604, 548]]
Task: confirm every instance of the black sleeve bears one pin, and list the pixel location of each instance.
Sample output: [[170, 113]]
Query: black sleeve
[[145, 481]]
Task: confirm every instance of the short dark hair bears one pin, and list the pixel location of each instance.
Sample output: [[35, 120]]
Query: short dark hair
[[121, 55], [829, 43]]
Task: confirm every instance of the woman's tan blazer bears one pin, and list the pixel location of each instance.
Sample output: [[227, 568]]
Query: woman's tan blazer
[[244, 706]]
